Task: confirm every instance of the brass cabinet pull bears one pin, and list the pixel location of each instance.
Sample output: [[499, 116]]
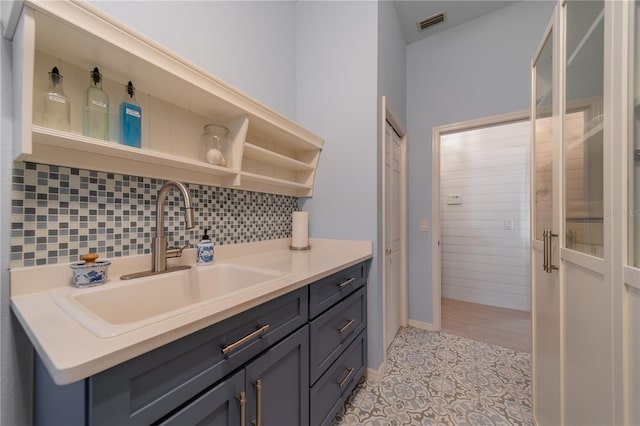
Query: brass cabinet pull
[[258, 420], [346, 283], [243, 408], [347, 325], [346, 378], [232, 347]]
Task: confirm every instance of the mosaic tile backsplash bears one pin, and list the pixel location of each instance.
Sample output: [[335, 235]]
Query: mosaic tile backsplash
[[60, 213]]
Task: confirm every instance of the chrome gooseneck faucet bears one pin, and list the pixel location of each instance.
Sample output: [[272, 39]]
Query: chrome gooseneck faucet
[[159, 250]]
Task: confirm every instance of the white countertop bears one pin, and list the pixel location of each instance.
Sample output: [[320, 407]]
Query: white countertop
[[71, 352]]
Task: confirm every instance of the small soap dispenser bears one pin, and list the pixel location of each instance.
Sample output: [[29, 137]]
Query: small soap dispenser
[[205, 250], [130, 118]]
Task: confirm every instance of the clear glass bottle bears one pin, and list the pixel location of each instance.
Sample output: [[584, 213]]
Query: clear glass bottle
[[55, 104], [96, 108], [213, 147], [130, 118]]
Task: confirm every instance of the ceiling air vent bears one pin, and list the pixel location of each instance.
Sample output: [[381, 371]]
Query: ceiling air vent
[[432, 20]]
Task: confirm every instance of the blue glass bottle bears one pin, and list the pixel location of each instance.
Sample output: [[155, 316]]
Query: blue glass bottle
[[130, 119]]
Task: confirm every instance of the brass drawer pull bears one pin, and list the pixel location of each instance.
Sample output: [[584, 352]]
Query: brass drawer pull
[[346, 283], [243, 408], [232, 347], [346, 378], [347, 325]]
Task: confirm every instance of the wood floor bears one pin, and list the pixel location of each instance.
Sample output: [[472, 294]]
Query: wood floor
[[503, 327]]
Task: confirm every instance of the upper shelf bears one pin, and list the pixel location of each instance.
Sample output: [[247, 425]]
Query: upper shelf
[[177, 98]]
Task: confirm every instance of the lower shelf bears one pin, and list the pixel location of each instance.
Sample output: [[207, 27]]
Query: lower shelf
[[254, 180], [59, 148]]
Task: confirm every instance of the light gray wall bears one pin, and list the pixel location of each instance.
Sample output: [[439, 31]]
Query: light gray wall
[[337, 46], [248, 44], [392, 60], [474, 70]]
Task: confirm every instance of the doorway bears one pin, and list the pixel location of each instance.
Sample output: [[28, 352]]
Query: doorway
[[481, 244]]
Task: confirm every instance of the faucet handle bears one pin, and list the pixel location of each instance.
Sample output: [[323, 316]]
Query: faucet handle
[[176, 251]]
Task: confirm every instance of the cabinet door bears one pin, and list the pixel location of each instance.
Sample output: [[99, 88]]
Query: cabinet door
[[545, 220], [223, 405], [277, 383], [588, 299]]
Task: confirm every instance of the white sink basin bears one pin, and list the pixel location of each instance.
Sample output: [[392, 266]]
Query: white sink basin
[[120, 306]]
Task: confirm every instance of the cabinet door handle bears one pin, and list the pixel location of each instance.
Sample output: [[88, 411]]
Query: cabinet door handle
[[346, 283], [258, 420], [235, 345], [347, 325], [550, 266], [545, 249], [243, 408], [547, 240], [343, 382]]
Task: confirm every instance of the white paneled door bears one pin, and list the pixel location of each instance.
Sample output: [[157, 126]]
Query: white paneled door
[[393, 243]]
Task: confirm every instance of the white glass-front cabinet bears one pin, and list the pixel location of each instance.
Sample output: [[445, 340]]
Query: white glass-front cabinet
[[586, 281], [266, 152], [631, 291]]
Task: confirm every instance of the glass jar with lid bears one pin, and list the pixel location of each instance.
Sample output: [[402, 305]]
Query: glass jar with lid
[[213, 144]]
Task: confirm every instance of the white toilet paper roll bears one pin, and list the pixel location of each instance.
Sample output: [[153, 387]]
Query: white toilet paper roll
[[300, 230]]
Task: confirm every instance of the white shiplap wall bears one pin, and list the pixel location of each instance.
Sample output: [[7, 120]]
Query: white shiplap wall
[[482, 262]]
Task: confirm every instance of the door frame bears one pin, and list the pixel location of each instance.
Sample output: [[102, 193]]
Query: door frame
[[388, 115], [436, 258]]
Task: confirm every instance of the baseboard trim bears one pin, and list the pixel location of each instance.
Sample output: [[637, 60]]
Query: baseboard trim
[[423, 325], [376, 375]]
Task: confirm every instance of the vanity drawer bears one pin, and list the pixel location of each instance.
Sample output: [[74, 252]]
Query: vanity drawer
[[330, 290], [331, 391], [146, 388], [334, 330]]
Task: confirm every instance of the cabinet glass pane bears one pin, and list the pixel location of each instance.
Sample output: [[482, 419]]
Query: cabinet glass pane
[[582, 131], [634, 170], [543, 138]]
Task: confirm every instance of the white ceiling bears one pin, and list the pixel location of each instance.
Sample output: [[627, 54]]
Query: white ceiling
[[458, 12]]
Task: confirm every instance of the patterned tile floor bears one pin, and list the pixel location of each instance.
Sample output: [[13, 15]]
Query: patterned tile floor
[[441, 379]]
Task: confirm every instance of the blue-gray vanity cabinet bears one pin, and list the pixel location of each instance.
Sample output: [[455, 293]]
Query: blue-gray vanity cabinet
[[191, 381], [147, 388]]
